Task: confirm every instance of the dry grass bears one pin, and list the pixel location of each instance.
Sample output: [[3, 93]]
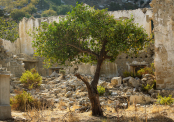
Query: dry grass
[[61, 105]]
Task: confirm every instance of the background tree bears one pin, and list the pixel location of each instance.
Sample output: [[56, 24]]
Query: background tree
[[48, 13], [8, 29], [88, 35]]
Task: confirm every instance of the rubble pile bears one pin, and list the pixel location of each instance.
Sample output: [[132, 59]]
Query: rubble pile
[[73, 91]]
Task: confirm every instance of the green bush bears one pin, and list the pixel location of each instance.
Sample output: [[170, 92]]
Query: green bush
[[147, 87], [101, 90], [21, 101], [146, 70], [31, 79], [165, 100]]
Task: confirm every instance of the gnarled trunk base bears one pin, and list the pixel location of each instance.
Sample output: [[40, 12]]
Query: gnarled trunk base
[[93, 96], [96, 107]]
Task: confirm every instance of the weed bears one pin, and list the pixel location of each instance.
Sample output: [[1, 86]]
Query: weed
[[165, 100], [101, 90], [147, 87]]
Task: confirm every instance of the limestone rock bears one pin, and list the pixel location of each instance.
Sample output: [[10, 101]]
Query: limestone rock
[[125, 80], [116, 81], [133, 82], [140, 99]]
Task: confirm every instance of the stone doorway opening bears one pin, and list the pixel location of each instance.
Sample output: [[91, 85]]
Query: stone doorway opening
[[30, 64]]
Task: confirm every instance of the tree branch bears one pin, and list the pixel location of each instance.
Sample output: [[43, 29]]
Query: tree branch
[[108, 57], [85, 80], [84, 50]]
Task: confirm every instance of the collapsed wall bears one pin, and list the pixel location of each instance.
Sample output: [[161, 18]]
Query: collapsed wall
[[163, 16]]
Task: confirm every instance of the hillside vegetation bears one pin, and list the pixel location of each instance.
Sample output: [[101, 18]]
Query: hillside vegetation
[[18, 9]]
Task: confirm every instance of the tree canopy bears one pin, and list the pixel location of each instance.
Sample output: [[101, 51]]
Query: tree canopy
[[88, 35], [84, 31]]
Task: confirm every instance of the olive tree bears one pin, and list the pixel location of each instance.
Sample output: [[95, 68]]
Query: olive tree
[[88, 35]]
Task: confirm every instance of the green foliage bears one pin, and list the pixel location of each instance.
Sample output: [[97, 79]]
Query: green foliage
[[127, 74], [84, 33], [101, 90], [146, 70], [8, 29], [18, 14], [63, 9], [30, 9], [165, 100], [48, 13], [31, 79], [147, 87]]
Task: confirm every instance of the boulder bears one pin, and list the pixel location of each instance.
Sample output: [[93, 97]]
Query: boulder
[[115, 81], [133, 82]]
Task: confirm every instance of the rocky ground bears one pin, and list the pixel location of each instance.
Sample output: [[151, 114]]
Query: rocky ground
[[123, 100]]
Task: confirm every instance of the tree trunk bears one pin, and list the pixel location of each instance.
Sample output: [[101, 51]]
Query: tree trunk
[[92, 90]]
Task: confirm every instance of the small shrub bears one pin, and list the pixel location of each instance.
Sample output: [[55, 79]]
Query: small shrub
[[165, 100], [147, 70], [31, 79], [23, 101], [101, 90], [147, 87]]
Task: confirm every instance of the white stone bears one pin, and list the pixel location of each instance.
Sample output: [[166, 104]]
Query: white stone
[[116, 81]]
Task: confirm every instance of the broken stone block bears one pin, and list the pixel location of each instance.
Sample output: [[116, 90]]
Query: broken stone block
[[133, 82], [116, 81], [140, 99], [125, 80]]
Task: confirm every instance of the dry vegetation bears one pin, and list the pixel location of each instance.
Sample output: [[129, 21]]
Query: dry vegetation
[[62, 113]]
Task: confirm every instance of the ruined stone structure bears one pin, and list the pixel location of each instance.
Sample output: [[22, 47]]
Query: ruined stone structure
[[22, 48], [5, 108], [163, 17]]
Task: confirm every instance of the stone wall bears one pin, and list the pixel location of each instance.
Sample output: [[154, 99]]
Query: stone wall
[[163, 17], [10, 61]]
